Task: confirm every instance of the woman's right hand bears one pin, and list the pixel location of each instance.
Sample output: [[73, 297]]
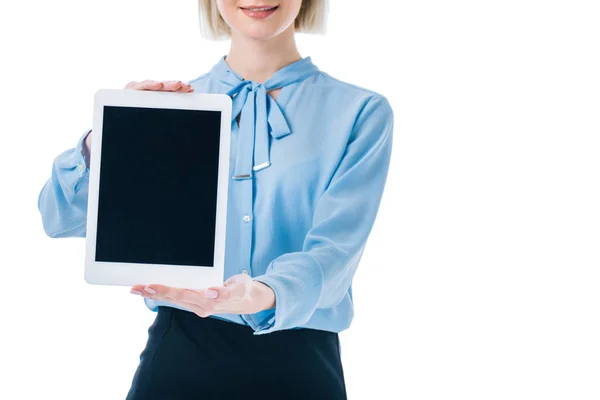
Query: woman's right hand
[[164, 86], [158, 86]]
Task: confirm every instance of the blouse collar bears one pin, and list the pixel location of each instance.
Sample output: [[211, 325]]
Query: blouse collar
[[260, 114]]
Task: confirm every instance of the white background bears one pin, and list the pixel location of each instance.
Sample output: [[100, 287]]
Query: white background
[[481, 277]]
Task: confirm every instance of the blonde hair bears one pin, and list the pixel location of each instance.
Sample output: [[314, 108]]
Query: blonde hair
[[311, 19]]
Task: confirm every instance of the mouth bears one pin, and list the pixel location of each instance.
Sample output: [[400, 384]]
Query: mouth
[[259, 12]]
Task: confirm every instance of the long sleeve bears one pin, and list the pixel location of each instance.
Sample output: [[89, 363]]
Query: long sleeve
[[62, 201], [320, 275]]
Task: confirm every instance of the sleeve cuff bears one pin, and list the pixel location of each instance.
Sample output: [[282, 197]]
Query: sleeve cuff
[[261, 322], [70, 170], [152, 306], [79, 157], [83, 172]]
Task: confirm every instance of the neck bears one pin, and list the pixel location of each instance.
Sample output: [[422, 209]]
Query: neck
[[258, 60]]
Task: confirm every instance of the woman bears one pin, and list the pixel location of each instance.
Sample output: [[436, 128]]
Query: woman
[[309, 161]]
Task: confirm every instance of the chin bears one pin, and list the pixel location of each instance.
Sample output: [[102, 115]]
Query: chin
[[260, 33], [259, 30]]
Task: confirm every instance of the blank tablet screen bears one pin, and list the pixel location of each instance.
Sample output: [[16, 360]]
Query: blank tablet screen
[[157, 197]]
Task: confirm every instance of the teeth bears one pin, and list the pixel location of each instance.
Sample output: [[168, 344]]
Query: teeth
[[260, 9]]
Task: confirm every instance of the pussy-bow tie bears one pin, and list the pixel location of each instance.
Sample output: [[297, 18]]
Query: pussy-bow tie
[[260, 114]]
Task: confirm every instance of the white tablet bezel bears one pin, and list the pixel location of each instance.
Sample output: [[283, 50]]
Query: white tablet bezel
[[129, 274]]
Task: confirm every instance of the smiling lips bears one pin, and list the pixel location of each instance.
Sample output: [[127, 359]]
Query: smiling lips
[[259, 12]]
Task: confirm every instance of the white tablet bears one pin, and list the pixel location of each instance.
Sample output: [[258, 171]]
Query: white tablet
[[159, 178]]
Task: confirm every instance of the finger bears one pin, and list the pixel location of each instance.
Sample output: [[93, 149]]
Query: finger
[[147, 85], [155, 291], [167, 86], [177, 86], [169, 294], [218, 294], [141, 291], [171, 86], [163, 292], [177, 294], [185, 89], [137, 290]]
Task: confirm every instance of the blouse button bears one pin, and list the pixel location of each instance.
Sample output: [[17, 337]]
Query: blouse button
[[246, 218], [245, 272], [81, 168]]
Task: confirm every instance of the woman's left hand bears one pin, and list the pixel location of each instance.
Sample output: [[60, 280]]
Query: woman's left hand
[[238, 295]]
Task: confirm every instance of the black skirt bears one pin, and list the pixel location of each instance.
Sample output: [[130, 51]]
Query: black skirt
[[192, 358]]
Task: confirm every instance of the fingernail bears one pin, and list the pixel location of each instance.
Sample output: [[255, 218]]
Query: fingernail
[[133, 291], [211, 294], [150, 290]]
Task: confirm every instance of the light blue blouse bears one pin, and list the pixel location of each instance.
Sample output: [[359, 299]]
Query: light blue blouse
[[307, 171]]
